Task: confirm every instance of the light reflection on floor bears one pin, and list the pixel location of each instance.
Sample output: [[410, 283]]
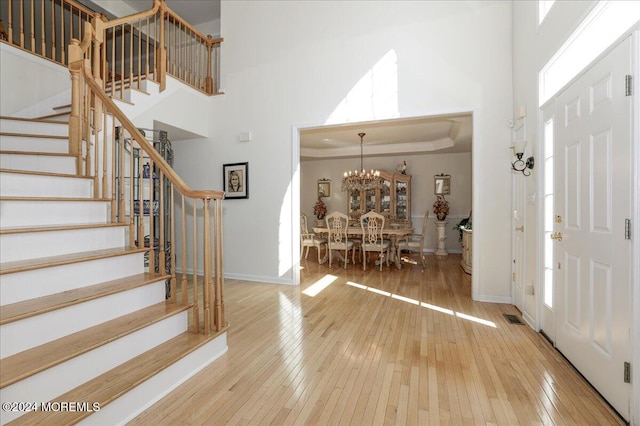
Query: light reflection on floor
[[320, 285], [423, 304], [290, 333]]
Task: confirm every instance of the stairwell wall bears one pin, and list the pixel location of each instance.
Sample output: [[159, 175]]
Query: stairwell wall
[[44, 84]]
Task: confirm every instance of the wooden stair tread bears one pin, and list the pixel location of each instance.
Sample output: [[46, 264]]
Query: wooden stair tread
[[46, 228], [31, 119], [35, 135], [53, 199], [37, 173], [116, 382], [50, 116], [65, 259], [40, 305], [51, 154], [35, 360]]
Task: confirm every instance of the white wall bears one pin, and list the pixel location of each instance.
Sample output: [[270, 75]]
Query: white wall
[[288, 65], [49, 84], [422, 168]]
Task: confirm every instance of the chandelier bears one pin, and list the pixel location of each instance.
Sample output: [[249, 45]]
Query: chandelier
[[361, 180]]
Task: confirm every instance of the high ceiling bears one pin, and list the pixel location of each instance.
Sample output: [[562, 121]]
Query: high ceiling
[[193, 11], [451, 133]]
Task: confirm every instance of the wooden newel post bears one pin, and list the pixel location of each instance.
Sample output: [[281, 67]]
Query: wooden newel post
[[208, 81], [207, 281], [219, 262], [162, 52], [98, 24], [75, 120]]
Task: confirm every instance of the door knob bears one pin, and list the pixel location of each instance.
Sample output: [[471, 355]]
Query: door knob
[[556, 236]]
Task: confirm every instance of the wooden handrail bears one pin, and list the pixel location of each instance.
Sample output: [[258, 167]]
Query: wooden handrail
[[135, 16], [210, 40]]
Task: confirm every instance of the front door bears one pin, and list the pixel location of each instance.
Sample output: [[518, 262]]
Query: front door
[[592, 200]]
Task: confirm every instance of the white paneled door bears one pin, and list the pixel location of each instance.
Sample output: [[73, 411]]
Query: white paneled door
[[592, 200]]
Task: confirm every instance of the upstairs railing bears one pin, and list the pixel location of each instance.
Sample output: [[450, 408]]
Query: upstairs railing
[[140, 47]]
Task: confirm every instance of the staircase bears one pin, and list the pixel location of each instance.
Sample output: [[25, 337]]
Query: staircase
[[86, 335]]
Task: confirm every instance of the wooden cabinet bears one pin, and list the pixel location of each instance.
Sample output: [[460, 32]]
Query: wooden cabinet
[[402, 197], [467, 250], [392, 199]]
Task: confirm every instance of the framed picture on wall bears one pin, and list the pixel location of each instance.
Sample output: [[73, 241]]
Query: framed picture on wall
[[442, 184], [324, 188], [236, 180]]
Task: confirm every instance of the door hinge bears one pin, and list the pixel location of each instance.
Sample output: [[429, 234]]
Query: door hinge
[[627, 372], [513, 277], [628, 85], [627, 229]]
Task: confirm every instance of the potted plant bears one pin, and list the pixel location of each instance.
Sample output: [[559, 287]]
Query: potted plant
[[441, 208], [463, 224], [320, 209]]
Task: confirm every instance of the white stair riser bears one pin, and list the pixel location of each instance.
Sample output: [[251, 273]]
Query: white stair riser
[[57, 380], [34, 127], [30, 332], [20, 286], [128, 406], [38, 163], [26, 185], [35, 245], [39, 212], [33, 144]]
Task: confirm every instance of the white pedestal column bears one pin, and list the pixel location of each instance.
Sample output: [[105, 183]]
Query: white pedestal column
[[441, 227]]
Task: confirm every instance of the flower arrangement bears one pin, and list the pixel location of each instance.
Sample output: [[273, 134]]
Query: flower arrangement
[[441, 207], [320, 209]]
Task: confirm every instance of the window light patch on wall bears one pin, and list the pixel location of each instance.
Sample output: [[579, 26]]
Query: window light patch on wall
[[373, 97]]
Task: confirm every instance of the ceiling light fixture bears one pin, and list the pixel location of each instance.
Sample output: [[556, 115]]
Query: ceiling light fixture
[[361, 180]]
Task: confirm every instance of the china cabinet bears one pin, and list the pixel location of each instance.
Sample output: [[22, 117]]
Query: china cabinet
[[392, 199]]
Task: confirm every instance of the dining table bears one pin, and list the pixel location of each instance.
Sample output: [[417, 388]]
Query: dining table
[[394, 233]]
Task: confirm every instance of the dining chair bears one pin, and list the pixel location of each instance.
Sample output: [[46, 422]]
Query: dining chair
[[415, 242], [309, 239], [372, 224], [338, 225]]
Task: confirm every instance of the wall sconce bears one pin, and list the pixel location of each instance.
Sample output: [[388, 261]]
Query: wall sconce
[[521, 165]]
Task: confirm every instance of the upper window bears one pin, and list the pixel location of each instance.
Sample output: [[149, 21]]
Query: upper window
[[606, 22]]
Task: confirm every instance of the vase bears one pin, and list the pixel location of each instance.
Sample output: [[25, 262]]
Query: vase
[[320, 216], [441, 216]]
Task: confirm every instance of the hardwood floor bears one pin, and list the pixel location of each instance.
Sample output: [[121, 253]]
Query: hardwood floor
[[391, 347]]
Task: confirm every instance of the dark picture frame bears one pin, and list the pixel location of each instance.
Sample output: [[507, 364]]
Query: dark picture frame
[[235, 177]]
